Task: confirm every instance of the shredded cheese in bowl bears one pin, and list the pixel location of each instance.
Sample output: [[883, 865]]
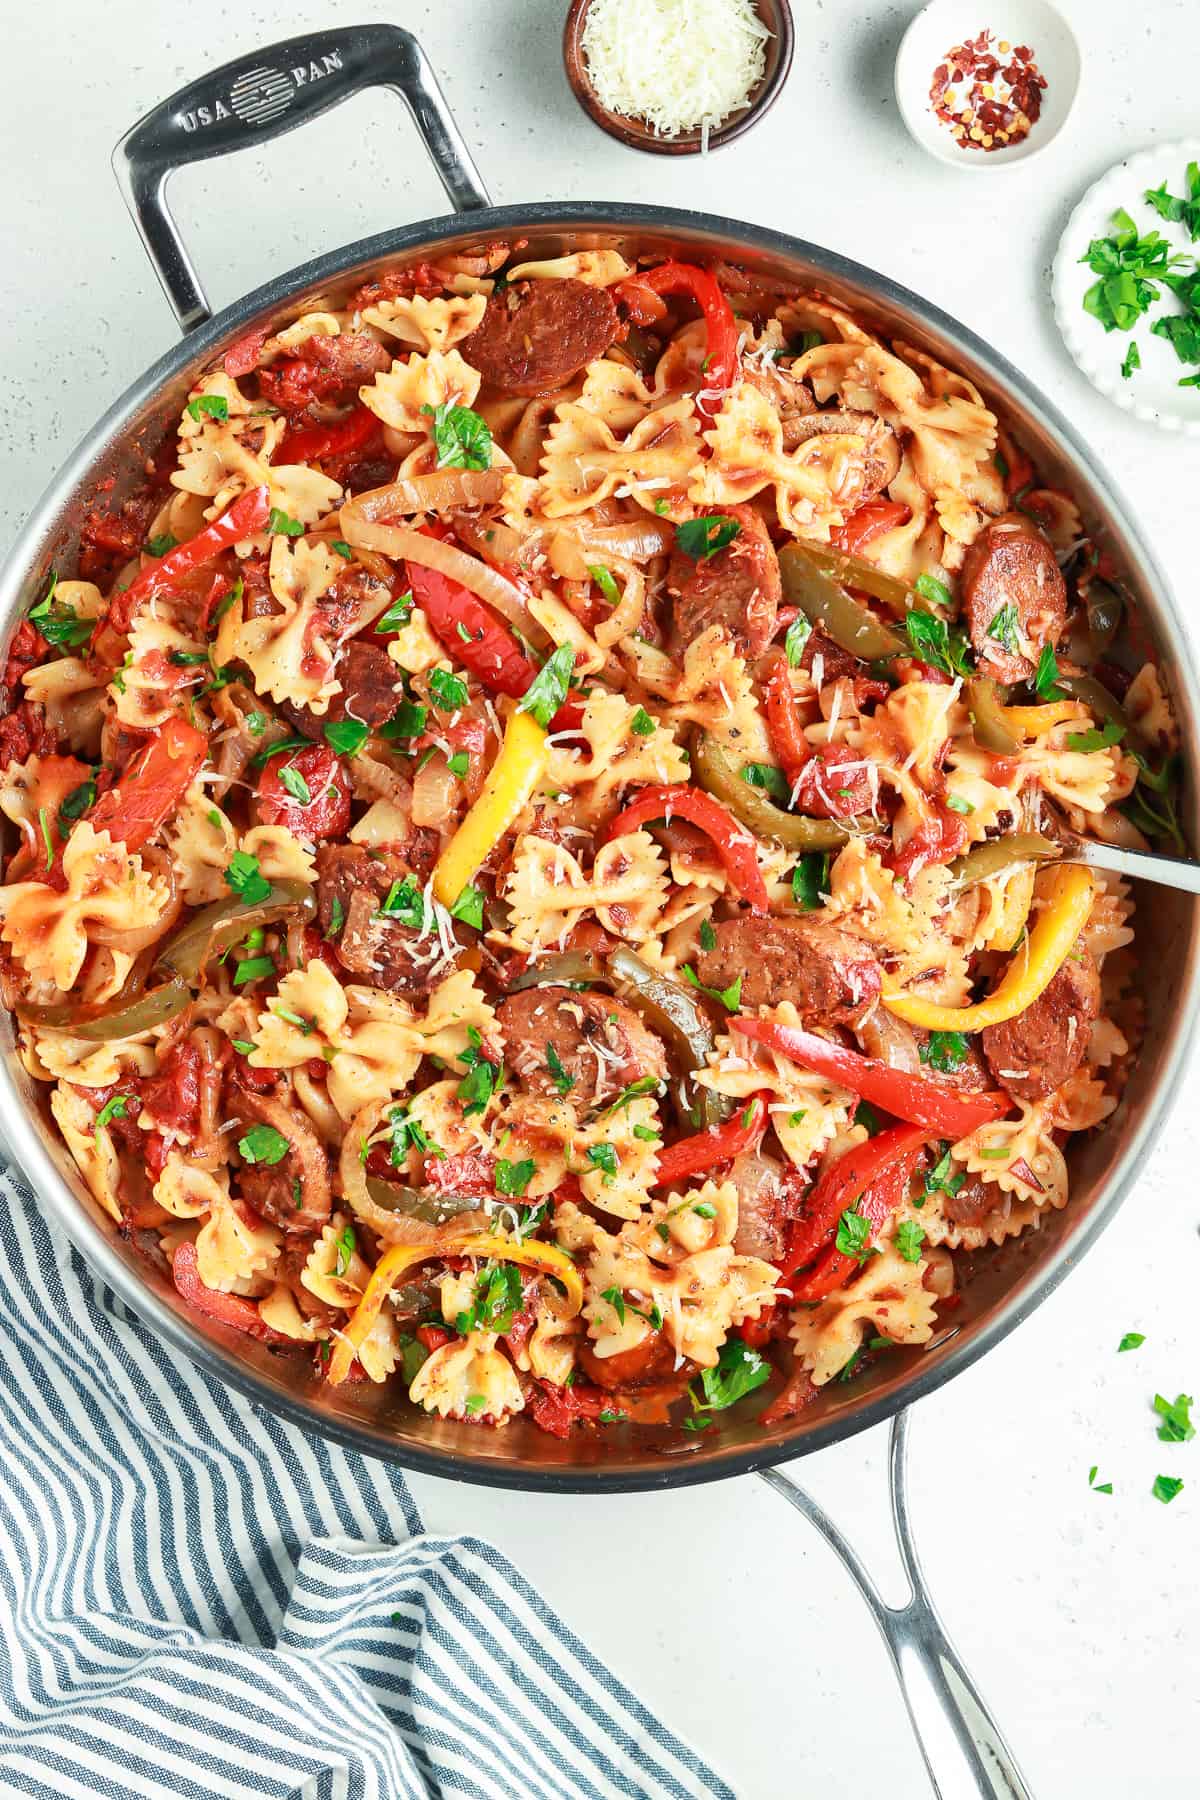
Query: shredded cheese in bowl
[[681, 65]]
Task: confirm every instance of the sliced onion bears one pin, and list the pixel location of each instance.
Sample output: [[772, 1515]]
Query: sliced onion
[[435, 794], [438, 490], [890, 1040], [132, 940], [401, 543]]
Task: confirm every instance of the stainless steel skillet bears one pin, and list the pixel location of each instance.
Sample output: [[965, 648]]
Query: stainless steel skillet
[[274, 91]]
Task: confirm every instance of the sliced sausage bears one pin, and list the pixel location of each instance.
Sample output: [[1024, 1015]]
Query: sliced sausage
[[737, 588], [352, 356], [975, 1201], [600, 1045], [830, 977], [651, 1360], [371, 691], [294, 1193], [1012, 564], [536, 334], [768, 1198], [352, 883], [1042, 1047]]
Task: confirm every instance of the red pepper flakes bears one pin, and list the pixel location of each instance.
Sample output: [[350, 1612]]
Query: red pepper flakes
[[987, 103]]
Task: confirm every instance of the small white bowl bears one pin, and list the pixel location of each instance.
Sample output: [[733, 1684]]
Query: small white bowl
[[944, 23], [1152, 393]]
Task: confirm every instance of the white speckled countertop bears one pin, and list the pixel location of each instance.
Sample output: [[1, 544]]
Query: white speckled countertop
[[1078, 1613]]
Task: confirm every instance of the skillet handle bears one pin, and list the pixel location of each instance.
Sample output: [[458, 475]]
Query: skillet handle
[[965, 1753], [261, 96]]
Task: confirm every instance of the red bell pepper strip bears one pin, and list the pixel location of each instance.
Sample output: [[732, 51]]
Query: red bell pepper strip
[[937, 840], [244, 518], [642, 305], [720, 364], [735, 846], [314, 443], [152, 786], [720, 1144], [783, 720], [869, 521], [842, 1186], [228, 1309], [923, 1100], [877, 1203]]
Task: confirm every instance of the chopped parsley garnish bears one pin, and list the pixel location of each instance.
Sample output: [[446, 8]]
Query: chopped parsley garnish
[[245, 878], [646, 1084], [854, 1236], [188, 659], [482, 1079], [944, 1051], [279, 525], [708, 937], [448, 692], [158, 546], [942, 1178], [957, 804], [60, 624], [1046, 675], [738, 1372], [935, 591], [44, 822], [616, 1300], [1133, 1340], [1176, 1427], [1004, 627], [609, 1417], [337, 918], [512, 1178], [548, 689], [603, 579], [474, 1403], [256, 723], [263, 1144], [213, 406], [341, 548], [934, 643], [346, 737], [253, 968], [293, 781], [408, 721], [909, 1238], [459, 764], [604, 1157], [116, 1108], [404, 1134], [496, 1301], [795, 638], [810, 880], [397, 614], [262, 757], [771, 779], [461, 437], [345, 1244], [730, 997], [702, 538], [558, 1075], [641, 724], [78, 801], [243, 1046], [1129, 268], [405, 902], [1087, 741], [1166, 1487], [469, 908]]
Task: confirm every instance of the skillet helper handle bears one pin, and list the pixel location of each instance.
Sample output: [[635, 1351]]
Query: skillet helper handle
[[965, 1754], [261, 96]]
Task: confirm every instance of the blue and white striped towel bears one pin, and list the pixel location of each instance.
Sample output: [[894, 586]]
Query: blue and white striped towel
[[199, 1602]]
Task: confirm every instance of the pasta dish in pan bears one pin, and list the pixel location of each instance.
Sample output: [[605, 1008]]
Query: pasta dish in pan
[[535, 858]]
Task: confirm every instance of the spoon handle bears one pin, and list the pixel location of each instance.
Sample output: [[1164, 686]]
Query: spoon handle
[[1136, 865]]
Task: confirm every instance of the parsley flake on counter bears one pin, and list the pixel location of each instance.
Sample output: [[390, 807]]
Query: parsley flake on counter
[[1132, 1340], [1105, 1487], [1131, 360], [1176, 1427], [1166, 1487]]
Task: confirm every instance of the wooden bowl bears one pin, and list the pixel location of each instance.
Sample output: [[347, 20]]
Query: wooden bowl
[[776, 15]]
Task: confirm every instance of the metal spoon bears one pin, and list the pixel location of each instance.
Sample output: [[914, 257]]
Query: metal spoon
[[1135, 865]]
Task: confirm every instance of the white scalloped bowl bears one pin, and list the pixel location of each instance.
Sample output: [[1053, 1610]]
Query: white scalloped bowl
[[944, 23], [1152, 393]]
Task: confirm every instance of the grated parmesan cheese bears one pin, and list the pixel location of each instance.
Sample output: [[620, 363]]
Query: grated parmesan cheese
[[678, 64]]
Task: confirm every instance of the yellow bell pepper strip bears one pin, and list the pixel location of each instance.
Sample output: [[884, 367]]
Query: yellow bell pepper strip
[[1067, 892], [1036, 721], [508, 788], [401, 1257]]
